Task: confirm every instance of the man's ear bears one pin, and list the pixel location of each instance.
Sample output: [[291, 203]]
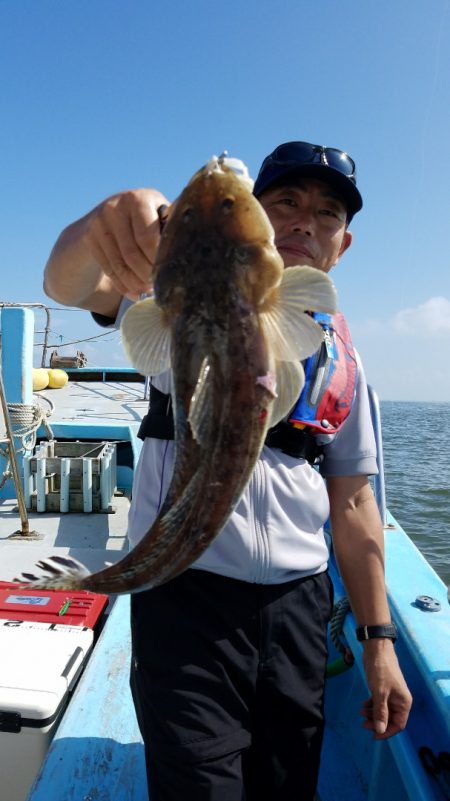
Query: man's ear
[[346, 242]]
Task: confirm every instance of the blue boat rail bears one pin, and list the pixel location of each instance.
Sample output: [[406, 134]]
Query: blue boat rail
[[45, 332], [72, 365], [379, 480]]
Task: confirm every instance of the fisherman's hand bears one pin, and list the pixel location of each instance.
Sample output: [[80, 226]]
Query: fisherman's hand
[[122, 234], [386, 711]]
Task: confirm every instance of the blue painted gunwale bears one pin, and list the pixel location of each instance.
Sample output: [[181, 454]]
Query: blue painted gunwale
[[97, 753], [354, 766], [16, 335]]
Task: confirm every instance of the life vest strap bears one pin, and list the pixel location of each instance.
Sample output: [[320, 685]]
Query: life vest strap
[[158, 424], [301, 443]]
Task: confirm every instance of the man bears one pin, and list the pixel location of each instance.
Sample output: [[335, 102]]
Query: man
[[229, 658]]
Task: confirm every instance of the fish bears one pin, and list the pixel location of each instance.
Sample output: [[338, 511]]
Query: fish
[[233, 326]]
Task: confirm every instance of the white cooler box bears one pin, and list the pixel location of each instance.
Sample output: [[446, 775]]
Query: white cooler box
[[39, 665]]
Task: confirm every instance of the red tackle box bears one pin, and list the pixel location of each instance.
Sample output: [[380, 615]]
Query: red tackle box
[[71, 608]]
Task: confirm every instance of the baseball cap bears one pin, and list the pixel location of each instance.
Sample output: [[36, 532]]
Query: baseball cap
[[328, 164]]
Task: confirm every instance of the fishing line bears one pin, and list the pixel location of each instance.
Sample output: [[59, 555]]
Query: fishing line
[[76, 341]]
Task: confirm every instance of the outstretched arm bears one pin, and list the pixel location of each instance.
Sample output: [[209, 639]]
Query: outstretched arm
[[106, 254], [359, 547]]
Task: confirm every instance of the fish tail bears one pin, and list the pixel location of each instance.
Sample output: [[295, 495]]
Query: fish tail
[[63, 573]]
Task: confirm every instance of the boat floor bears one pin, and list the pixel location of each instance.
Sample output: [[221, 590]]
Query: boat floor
[[96, 402], [94, 539], [91, 410]]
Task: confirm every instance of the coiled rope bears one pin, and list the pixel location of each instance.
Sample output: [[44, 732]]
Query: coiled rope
[[337, 622], [26, 419], [336, 626]]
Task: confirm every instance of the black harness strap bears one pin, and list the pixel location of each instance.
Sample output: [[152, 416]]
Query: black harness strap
[[300, 443], [158, 422], [296, 442]]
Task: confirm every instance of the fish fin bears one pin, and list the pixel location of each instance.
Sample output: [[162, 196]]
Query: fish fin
[[63, 573], [290, 382], [291, 333], [200, 409], [146, 337], [308, 288]]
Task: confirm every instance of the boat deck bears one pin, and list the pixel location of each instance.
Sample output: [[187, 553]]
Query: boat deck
[[88, 744], [91, 410], [96, 403]]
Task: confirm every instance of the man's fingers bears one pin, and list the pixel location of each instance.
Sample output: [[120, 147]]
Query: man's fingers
[[376, 714], [385, 718], [118, 275], [123, 235], [380, 714], [114, 233], [146, 226]]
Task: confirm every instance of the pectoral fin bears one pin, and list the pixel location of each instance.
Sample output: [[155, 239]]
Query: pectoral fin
[[308, 288], [146, 337], [290, 381], [291, 333]]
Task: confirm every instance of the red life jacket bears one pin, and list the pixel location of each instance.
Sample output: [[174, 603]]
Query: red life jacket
[[330, 379]]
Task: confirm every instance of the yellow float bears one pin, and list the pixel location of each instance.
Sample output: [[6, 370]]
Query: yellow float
[[57, 378], [40, 378]]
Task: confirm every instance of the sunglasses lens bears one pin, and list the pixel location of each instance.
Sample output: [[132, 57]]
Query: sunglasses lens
[[305, 153], [294, 151], [339, 161]]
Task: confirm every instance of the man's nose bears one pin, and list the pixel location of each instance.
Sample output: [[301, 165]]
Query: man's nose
[[303, 222]]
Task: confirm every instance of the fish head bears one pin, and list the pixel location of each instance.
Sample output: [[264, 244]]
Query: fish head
[[218, 217]]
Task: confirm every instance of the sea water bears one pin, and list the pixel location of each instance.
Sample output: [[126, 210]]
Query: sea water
[[416, 446]]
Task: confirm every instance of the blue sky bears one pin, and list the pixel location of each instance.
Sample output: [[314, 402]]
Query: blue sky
[[102, 95]]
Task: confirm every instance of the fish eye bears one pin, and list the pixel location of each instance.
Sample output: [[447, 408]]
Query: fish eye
[[227, 204], [187, 214], [244, 254]]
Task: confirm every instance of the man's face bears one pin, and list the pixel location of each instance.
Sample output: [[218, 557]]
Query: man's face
[[309, 220]]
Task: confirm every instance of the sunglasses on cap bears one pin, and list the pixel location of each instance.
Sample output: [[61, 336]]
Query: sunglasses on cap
[[297, 153], [327, 163]]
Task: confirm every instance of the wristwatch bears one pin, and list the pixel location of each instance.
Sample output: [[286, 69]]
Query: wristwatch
[[388, 631]]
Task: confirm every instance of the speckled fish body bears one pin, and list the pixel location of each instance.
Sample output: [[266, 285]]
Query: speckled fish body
[[230, 322]]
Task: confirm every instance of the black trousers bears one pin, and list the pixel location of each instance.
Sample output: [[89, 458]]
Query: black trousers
[[227, 680]]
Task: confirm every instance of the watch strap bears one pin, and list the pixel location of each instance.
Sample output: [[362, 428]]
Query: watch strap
[[389, 631]]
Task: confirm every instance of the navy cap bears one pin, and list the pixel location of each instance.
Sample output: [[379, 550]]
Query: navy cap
[[327, 164]]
